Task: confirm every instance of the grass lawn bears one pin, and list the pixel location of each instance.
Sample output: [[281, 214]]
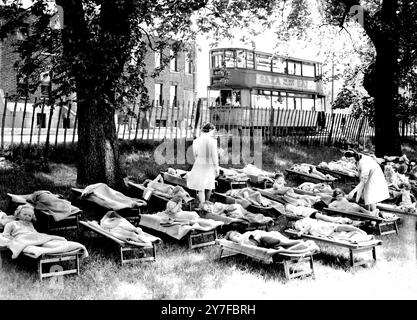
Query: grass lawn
[[180, 273]]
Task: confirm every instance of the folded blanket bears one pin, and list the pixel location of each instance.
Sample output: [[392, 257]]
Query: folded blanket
[[176, 228], [108, 198], [37, 244], [47, 203]]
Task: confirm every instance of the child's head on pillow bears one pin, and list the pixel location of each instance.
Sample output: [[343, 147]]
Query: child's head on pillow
[[25, 212]]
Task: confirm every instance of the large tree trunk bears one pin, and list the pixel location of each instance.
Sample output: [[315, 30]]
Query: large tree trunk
[[387, 137], [97, 143]]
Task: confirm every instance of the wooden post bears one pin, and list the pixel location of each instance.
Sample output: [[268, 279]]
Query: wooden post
[[3, 120], [33, 120], [40, 125], [75, 127], [155, 106], [178, 119], [186, 123], [13, 120], [137, 123], [161, 104], [68, 117], [130, 120], [150, 120], [59, 120], [48, 131], [23, 120]]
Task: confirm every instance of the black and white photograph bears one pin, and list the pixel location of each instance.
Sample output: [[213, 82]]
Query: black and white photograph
[[231, 151]]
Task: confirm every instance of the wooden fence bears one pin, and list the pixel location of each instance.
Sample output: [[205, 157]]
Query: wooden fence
[[37, 122]]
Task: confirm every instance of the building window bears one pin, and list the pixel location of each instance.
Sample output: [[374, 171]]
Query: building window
[[188, 65], [173, 95], [174, 61], [41, 120], [158, 59], [158, 94]]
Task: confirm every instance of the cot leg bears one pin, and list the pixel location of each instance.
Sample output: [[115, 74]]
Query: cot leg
[[154, 251], [78, 265], [396, 226], [312, 267], [221, 253], [40, 268], [287, 270], [374, 253], [352, 262]]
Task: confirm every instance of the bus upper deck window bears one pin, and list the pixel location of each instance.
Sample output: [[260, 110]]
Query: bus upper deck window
[[230, 60], [308, 70], [278, 65], [249, 60], [294, 68], [263, 62], [241, 58]]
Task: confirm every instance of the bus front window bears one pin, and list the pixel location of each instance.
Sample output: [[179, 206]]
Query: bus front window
[[225, 97], [217, 59]]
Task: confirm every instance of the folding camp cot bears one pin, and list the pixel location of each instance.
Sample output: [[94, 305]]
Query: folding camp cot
[[293, 263], [195, 238], [174, 179], [240, 225], [129, 251], [354, 248], [258, 181], [155, 199], [52, 265], [130, 214], [384, 226], [344, 176], [226, 183], [46, 223], [394, 208], [309, 177], [270, 210]]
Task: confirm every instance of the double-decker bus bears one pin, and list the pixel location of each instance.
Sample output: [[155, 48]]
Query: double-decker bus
[[255, 89]]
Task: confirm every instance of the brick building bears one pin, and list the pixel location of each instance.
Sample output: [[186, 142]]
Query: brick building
[[176, 83]]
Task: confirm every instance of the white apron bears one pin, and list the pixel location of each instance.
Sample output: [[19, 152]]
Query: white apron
[[376, 188], [203, 174]]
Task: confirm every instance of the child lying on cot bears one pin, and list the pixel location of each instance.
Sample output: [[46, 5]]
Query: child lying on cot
[[123, 229], [249, 195], [271, 239], [289, 194], [320, 225], [317, 188], [311, 170], [25, 215], [342, 203], [163, 188], [22, 236]]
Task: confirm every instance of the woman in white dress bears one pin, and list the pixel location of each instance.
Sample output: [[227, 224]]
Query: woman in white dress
[[206, 164], [372, 186]]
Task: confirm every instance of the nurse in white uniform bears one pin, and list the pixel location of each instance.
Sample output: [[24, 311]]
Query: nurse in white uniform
[[206, 165], [372, 186]]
